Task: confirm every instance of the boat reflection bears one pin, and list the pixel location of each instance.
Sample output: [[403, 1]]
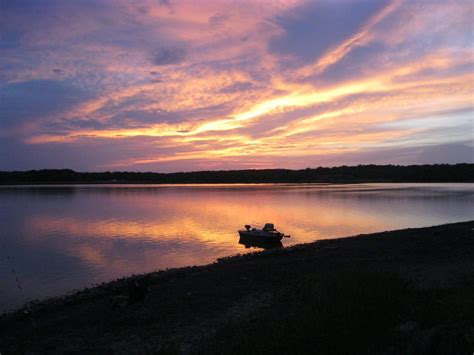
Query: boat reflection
[[259, 245]]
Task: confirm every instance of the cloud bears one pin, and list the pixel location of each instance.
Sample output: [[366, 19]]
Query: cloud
[[218, 19], [454, 153], [168, 5], [169, 55], [237, 87], [340, 79], [312, 29], [37, 99], [157, 77]]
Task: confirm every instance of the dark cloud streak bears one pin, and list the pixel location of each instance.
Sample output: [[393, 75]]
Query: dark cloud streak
[[316, 26], [168, 55], [36, 99]]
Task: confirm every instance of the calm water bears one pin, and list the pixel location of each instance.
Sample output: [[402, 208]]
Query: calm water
[[63, 238]]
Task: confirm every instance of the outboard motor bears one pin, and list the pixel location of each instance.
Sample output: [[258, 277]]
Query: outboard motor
[[269, 227]]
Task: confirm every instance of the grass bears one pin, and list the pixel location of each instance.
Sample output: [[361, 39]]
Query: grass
[[351, 313]]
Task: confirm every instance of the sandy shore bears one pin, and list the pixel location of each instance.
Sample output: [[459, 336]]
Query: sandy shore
[[179, 308]]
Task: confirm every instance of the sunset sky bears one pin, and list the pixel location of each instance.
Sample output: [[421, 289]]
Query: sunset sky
[[192, 85]]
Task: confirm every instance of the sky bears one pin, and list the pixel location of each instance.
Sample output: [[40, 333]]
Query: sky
[[171, 85]]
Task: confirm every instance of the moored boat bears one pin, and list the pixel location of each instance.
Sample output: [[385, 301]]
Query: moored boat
[[268, 234]]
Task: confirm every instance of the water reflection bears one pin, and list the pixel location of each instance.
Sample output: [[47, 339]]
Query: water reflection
[[60, 238], [260, 245]]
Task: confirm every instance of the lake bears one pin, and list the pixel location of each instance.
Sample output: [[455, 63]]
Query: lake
[[61, 238]]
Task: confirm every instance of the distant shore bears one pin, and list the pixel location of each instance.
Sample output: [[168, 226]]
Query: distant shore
[[342, 174], [413, 286]]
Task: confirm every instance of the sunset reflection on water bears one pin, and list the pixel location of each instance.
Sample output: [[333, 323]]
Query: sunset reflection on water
[[67, 237]]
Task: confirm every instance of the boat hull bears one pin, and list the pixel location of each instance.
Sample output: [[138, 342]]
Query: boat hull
[[251, 236]]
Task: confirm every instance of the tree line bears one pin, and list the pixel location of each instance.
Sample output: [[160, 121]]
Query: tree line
[[341, 174]]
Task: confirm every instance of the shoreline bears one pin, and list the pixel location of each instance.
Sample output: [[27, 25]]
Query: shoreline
[[175, 306], [236, 183]]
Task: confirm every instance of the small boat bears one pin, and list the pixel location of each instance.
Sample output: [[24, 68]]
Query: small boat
[[268, 234]]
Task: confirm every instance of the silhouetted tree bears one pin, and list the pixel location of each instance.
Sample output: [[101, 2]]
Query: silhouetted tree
[[342, 174]]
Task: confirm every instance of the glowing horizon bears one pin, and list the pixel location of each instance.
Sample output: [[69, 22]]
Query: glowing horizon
[[181, 85]]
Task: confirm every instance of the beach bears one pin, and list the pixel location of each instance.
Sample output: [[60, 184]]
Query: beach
[[413, 285]]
